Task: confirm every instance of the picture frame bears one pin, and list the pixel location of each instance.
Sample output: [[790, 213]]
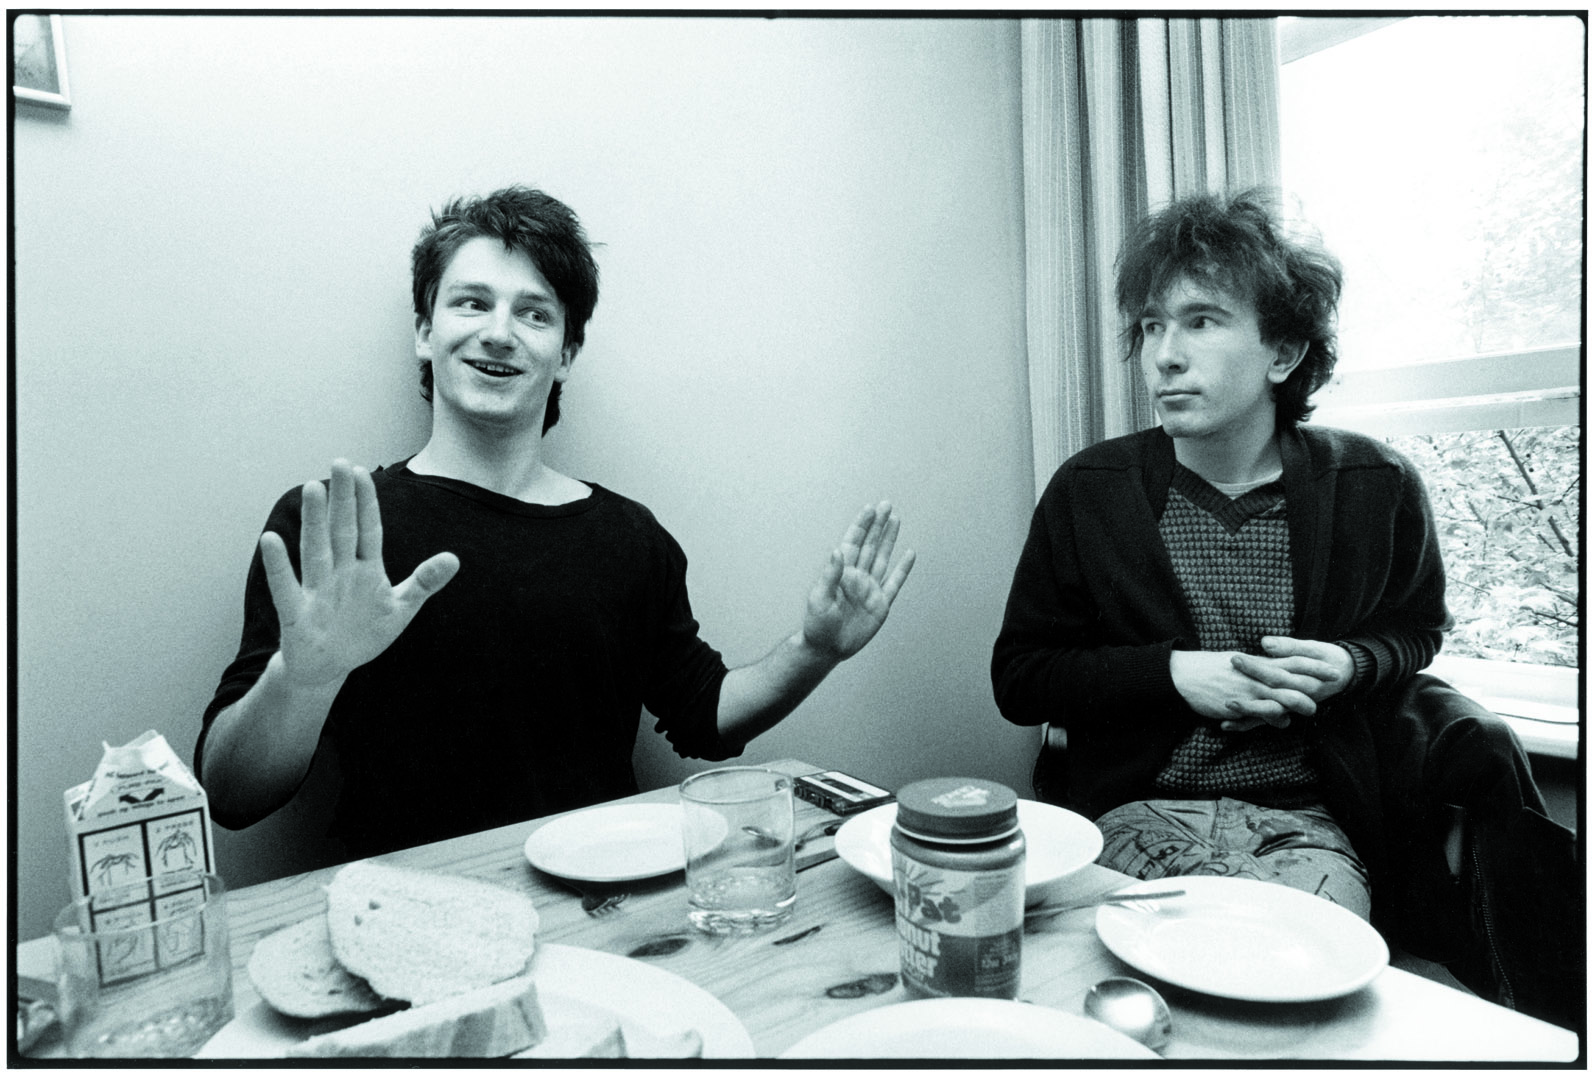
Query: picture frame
[[38, 61]]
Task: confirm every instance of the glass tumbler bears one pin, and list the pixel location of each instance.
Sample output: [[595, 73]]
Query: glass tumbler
[[737, 835], [144, 970]]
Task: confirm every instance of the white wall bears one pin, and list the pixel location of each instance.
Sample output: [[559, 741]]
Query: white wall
[[811, 298]]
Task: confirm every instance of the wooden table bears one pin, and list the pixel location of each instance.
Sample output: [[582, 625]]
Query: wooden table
[[838, 955]]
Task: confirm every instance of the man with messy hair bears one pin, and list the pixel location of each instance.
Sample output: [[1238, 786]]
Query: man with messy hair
[[1227, 618], [1196, 601], [536, 614]]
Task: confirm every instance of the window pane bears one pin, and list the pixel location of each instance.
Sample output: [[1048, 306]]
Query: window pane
[[1507, 509], [1442, 159]]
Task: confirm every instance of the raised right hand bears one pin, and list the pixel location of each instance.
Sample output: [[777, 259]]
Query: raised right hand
[[342, 612]]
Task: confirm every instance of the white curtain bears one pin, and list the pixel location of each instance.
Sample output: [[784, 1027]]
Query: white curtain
[[1121, 116]]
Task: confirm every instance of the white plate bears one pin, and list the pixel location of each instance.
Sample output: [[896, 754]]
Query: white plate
[[1248, 940], [610, 843], [651, 1003], [938, 1028], [1058, 842]]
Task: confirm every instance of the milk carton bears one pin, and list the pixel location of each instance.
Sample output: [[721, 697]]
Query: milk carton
[[143, 815]]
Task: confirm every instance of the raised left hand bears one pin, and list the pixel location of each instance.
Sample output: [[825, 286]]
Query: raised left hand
[[855, 592]]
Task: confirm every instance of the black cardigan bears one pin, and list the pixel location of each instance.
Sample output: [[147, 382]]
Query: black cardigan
[[1095, 608]]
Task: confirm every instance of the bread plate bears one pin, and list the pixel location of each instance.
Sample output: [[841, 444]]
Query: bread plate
[[1058, 842], [652, 1005]]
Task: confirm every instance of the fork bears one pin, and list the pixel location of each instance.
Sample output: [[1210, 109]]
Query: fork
[[1114, 896], [600, 905]]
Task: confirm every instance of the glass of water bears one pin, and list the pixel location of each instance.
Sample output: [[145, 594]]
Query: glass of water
[[144, 968], [737, 834]]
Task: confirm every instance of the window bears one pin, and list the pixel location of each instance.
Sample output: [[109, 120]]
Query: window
[[1442, 158]]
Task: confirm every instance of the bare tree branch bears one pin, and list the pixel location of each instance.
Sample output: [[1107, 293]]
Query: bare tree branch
[[1551, 617], [1529, 482]]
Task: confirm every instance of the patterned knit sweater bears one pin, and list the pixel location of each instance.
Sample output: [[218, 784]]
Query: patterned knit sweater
[[1095, 609], [1233, 560]]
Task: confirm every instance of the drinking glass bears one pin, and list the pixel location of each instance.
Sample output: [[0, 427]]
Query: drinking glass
[[737, 835], [144, 970]]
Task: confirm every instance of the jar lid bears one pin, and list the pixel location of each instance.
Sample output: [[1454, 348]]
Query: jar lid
[[957, 808]]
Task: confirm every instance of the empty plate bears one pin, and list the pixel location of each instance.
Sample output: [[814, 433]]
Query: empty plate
[[624, 842], [1248, 940], [940, 1028]]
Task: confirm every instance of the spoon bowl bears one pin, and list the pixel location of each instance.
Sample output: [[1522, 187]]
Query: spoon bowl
[[1132, 1008]]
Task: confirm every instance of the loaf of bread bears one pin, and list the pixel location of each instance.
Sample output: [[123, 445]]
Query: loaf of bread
[[421, 937], [498, 1021], [295, 971]]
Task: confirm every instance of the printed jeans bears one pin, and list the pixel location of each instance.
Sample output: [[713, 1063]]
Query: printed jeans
[[1302, 848]]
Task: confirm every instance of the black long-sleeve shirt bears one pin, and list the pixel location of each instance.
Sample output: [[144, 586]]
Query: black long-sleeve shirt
[[517, 690]]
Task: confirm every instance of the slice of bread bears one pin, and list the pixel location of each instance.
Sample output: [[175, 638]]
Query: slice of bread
[[498, 1021], [421, 937], [295, 971]]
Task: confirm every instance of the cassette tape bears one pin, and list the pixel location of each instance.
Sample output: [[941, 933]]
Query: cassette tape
[[839, 792]]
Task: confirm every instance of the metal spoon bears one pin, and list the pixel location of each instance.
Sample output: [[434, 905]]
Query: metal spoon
[[1133, 1008], [828, 828]]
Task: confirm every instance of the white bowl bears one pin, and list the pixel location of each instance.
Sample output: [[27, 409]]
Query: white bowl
[[1058, 842]]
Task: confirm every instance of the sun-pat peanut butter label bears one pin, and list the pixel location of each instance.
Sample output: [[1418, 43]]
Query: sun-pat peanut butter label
[[959, 932]]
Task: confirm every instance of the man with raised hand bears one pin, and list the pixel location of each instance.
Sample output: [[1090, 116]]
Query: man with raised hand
[[535, 614]]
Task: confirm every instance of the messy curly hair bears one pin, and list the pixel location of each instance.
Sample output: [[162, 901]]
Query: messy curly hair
[[1236, 244]]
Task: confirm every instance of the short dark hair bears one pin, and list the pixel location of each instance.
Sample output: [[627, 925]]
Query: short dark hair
[[525, 220], [1236, 244]]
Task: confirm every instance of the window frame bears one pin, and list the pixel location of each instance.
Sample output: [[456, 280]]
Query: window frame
[[1539, 387]]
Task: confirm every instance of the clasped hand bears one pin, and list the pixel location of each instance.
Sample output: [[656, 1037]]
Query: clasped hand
[[1244, 692], [341, 611], [855, 592]]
